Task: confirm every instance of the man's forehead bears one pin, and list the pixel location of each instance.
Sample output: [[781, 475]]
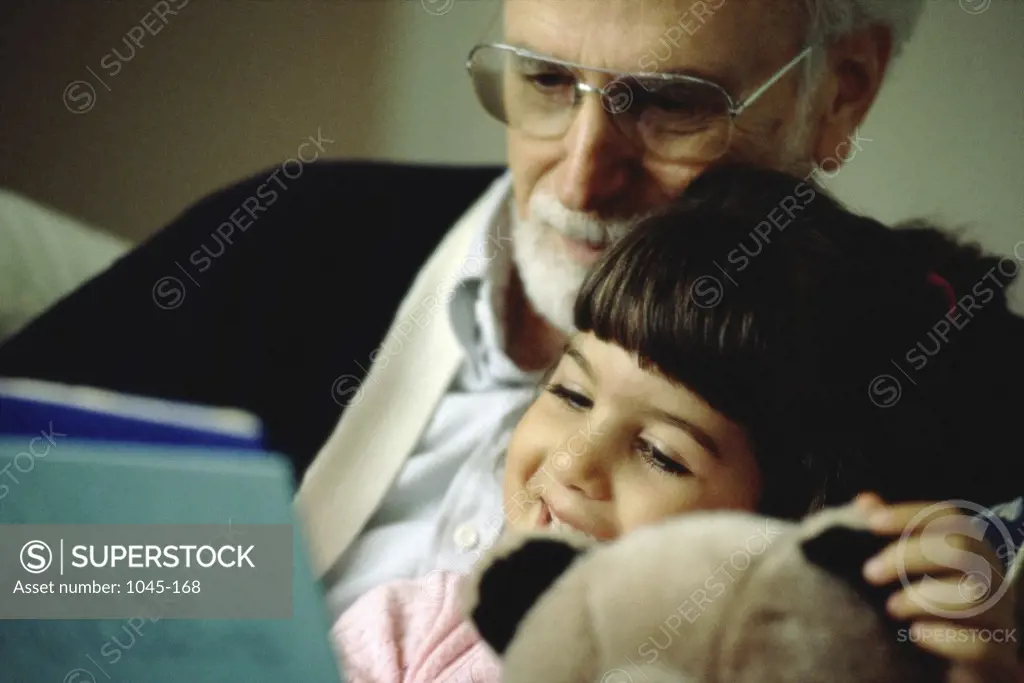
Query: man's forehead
[[705, 36]]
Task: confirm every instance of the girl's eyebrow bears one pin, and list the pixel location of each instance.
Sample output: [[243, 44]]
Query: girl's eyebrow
[[546, 375], [698, 434], [576, 355]]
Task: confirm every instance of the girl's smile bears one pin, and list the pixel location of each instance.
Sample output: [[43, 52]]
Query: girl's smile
[[608, 446]]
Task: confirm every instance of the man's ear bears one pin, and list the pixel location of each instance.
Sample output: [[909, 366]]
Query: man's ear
[[856, 67], [504, 590]]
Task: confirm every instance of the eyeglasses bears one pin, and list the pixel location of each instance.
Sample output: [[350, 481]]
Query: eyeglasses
[[674, 116]]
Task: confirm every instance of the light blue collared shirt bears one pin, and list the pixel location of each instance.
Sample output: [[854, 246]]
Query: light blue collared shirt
[[445, 506]]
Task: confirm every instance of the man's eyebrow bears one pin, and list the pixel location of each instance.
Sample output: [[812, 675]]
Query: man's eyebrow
[[698, 434], [574, 353], [525, 46], [726, 82]]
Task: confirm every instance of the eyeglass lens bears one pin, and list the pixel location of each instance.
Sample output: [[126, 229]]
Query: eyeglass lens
[[673, 118]]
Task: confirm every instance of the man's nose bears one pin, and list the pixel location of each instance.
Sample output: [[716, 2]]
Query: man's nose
[[582, 466], [596, 167]]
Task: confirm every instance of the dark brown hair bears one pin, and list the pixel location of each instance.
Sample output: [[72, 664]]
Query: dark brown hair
[[798, 320]]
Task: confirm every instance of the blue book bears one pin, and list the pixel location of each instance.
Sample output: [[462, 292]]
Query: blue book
[[117, 483], [33, 408], [81, 456]]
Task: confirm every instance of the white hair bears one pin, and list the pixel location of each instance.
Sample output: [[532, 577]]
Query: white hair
[[833, 19], [830, 20]]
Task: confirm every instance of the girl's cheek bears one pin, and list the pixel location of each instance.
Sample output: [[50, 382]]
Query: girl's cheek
[[525, 449], [538, 430]]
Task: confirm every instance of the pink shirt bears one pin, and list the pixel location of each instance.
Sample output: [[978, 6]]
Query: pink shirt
[[412, 631]]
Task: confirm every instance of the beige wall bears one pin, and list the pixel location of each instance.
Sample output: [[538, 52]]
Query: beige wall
[[225, 88], [228, 87]]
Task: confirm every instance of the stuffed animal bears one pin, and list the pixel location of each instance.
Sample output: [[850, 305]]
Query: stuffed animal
[[722, 597]]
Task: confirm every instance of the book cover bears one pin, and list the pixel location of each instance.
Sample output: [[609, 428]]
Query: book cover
[[34, 408]]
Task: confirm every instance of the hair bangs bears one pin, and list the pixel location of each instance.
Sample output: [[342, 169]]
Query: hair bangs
[[657, 294]]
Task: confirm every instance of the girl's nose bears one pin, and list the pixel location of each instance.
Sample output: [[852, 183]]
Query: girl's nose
[[583, 467]]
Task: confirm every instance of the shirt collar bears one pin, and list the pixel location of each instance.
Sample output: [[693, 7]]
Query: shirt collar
[[477, 306]]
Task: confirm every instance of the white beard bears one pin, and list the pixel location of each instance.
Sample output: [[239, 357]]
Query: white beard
[[550, 277]]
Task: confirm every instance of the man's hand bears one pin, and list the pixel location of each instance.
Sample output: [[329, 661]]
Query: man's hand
[[953, 594]]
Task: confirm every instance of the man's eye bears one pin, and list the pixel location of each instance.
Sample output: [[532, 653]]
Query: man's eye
[[544, 75], [672, 98], [551, 81], [683, 102], [573, 399]]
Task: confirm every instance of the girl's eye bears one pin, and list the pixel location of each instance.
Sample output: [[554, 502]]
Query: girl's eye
[[573, 399], [658, 460]]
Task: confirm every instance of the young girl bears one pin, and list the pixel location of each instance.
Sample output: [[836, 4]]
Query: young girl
[[729, 355]]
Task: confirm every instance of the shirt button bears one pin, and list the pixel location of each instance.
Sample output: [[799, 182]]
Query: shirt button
[[466, 536]]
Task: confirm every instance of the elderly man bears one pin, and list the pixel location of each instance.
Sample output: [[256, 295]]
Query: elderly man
[[612, 107]]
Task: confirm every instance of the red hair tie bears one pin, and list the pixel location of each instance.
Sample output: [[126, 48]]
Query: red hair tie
[[942, 283]]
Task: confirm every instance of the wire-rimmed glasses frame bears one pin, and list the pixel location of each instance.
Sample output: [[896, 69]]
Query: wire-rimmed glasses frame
[[652, 123]]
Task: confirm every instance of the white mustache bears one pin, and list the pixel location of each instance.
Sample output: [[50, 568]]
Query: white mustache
[[544, 208]]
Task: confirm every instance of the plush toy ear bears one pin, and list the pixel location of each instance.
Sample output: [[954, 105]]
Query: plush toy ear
[[842, 551], [511, 584]]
